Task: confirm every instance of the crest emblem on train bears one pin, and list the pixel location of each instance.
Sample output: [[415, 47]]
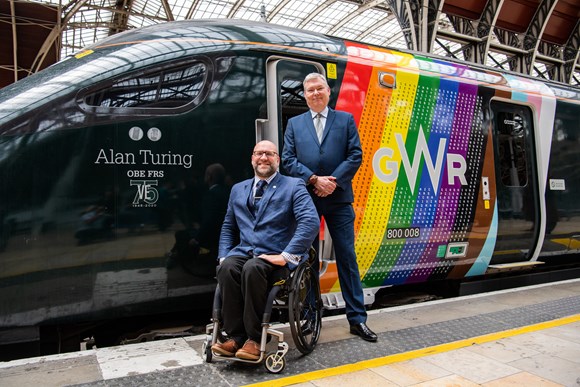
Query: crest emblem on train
[[146, 195]]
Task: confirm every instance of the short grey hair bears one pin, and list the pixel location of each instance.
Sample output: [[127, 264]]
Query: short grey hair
[[315, 76]]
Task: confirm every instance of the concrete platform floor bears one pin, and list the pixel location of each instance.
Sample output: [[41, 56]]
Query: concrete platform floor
[[528, 336], [546, 354]]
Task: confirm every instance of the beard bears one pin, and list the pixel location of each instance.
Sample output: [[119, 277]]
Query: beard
[[264, 170]]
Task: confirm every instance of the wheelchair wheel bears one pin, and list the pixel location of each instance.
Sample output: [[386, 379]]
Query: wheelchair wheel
[[274, 363], [304, 309], [206, 350]]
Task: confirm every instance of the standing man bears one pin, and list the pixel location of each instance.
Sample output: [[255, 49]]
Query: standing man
[[268, 229], [322, 147]]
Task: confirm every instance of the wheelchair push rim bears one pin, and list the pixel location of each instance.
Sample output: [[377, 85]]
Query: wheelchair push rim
[[304, 309]]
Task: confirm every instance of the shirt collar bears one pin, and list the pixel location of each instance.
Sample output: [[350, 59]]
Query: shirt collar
[[268, 180], [323, 113]]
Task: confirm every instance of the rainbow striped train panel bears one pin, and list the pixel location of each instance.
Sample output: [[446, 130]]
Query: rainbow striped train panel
[[425, 194]]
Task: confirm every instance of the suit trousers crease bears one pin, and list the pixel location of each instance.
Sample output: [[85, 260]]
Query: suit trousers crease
[[244, 284], [340, 221]]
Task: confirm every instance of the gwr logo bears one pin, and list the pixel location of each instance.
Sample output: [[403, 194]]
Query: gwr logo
[[145, 192], [388, 171]]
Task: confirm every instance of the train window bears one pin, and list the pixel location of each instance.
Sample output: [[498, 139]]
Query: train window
[[512, 128], [292, 93], [167, 88]]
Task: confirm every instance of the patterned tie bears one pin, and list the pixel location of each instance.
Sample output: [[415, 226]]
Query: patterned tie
[[318, 126], [260, 186]]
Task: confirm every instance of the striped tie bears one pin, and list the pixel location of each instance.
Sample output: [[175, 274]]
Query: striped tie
[[260, 186]]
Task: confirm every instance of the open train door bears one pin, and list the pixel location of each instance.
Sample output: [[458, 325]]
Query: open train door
[[518, 196], [285, 95]]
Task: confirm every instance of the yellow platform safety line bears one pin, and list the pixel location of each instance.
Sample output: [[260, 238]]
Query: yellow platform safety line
[[381, 361], [570, 243]]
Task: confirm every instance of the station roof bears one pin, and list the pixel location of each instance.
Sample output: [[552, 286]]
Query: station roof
[[537, 37]]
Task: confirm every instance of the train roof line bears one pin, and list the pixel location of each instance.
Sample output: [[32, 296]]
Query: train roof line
[[321, 54], [246, 25]]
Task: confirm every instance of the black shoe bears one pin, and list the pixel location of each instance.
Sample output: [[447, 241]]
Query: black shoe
[[363, 331]]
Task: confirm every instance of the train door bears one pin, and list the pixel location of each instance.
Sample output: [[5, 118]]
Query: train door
[[285, 95], [517, 185]]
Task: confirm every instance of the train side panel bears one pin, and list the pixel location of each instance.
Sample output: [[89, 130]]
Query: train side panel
[[455, 176], [425, 192], [92, 215], [562, 237]]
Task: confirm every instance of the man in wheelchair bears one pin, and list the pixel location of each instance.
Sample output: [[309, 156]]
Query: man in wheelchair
[[268, 229]]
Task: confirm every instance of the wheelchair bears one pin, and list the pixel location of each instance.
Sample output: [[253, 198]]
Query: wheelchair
[[297, 300]]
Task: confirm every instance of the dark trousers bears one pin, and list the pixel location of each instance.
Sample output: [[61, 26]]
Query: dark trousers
[[340, 221], [244, 283]]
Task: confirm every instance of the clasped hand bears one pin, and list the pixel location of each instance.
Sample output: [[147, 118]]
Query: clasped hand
[[325, 185]]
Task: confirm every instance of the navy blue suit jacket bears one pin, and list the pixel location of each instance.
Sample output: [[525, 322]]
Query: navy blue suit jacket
[[339, 154], [286, 220]]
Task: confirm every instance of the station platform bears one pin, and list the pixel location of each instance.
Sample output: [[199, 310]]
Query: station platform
[[526, 336]]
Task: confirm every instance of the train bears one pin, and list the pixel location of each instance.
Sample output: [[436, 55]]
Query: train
[[116, 164]]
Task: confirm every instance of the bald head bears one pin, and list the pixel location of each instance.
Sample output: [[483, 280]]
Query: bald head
[[265, 159]]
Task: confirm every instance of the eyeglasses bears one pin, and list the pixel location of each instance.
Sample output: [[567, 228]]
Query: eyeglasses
[[262, 153]]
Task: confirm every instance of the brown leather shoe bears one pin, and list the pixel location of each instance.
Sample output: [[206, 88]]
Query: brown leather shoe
[[250, 351], [228, 348]]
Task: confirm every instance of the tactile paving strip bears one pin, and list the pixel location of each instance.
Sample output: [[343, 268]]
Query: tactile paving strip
[[352, 350]]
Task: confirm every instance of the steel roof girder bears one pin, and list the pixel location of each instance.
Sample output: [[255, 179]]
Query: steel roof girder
[[167, 9], [54, 34], [235, 8], [404, 13], [531, 39], [280, 6], [120, 16], [571, 55], [14, 40]]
